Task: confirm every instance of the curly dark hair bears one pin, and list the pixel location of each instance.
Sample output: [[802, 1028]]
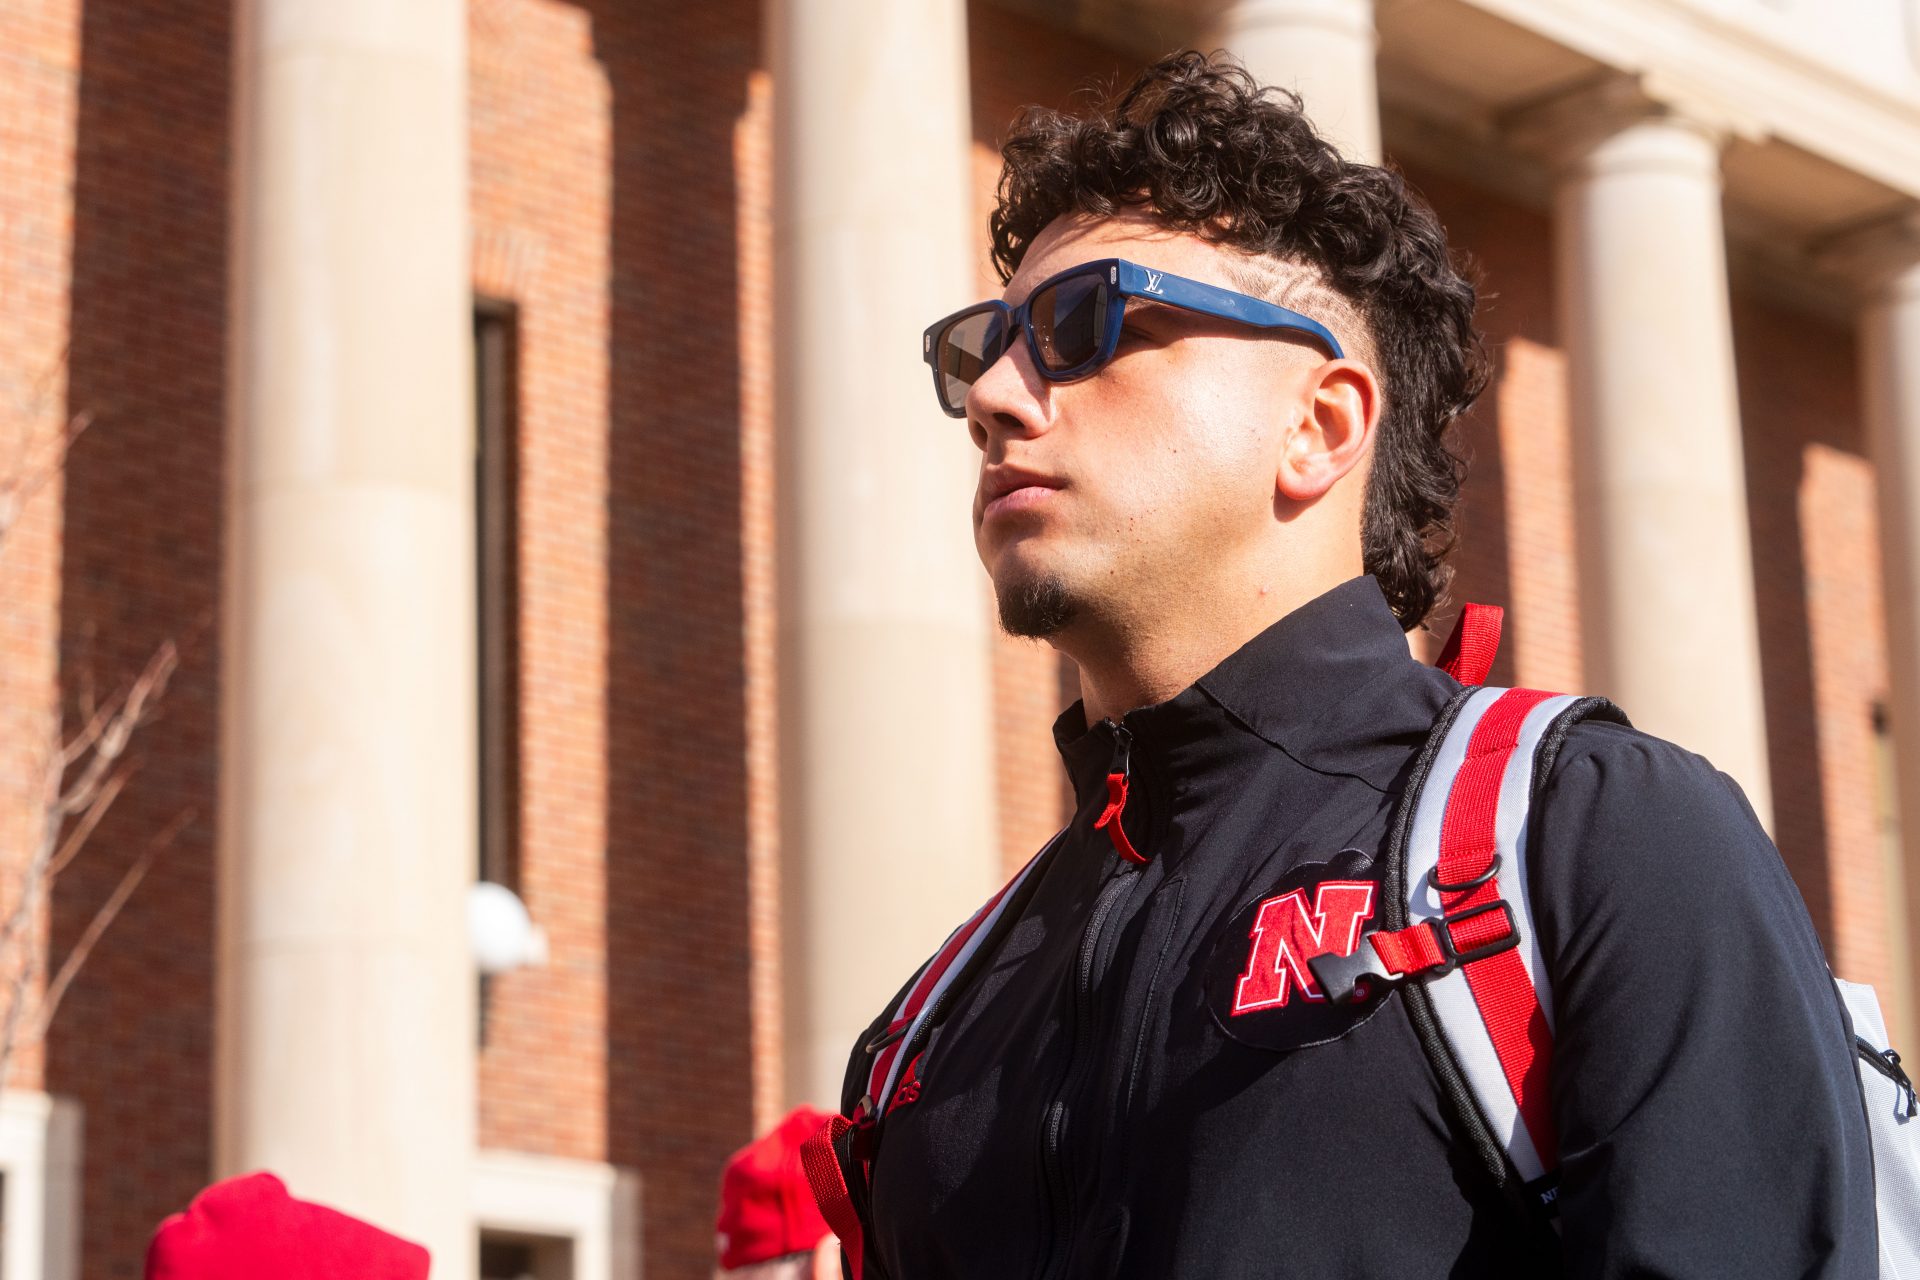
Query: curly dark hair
[[1197, 142]]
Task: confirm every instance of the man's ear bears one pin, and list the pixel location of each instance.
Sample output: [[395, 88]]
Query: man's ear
[[1340, 411]]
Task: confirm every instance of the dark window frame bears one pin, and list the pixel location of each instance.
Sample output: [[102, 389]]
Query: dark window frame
[[496, 457]]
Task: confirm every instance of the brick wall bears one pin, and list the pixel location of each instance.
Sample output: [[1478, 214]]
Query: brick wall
[[131, 125], [1822, 650], [679, 998], [541, 135], [39, 96], [1515, 526], [608, 189]]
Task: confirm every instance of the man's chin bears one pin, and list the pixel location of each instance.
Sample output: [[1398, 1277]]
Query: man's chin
[[1035, 607]]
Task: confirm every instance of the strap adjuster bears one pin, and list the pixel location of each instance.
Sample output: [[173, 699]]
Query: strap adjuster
[[1358, 976], [1443, 930]]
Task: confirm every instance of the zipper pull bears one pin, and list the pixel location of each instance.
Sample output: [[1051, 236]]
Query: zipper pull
[[1119, 775]]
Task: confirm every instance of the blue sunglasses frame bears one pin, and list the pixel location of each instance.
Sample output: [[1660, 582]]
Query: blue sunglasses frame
[[1126, 280]]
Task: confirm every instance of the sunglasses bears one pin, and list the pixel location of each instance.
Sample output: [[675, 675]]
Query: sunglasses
[[1072, 324]]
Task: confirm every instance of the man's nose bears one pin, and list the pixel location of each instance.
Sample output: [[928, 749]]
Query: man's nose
[[1009, 398]]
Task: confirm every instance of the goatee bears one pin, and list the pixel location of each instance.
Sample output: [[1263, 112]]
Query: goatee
[[1036, 608]]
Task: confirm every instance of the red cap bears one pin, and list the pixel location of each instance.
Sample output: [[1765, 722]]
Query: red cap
[[766, 1207], [249, 1227]]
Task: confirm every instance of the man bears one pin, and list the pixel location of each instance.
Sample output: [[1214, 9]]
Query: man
[[1215, 474]]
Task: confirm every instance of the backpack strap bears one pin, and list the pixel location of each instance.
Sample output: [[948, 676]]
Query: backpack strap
[[1470, 650], [949, 965], [838, 1181], [1460, 929], [838, 1160], [1466, 863]]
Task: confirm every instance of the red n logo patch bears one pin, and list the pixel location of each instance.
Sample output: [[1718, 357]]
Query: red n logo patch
[[1286, 935]]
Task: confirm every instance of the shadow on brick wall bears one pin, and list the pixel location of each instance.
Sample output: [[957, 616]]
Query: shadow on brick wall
[[678, 1070], [1785, 407], [1482, 556], [1514, 303], [142, 549]]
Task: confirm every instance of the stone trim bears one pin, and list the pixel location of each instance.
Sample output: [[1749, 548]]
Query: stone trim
[[595, 1206], [40, 1162]]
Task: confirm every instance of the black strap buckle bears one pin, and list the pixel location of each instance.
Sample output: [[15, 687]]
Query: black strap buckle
[[1443, 930], [1351, 977]]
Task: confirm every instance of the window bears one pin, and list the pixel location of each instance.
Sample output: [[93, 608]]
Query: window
[[496, 484], [505, 1256], [496, 440]]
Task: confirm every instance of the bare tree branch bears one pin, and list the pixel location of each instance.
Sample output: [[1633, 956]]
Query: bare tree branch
[[77, 837], [83, 947], [82, 777]]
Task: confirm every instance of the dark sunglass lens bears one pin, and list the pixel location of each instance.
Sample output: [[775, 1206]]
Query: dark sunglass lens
[[965, 349], [1069, 319]]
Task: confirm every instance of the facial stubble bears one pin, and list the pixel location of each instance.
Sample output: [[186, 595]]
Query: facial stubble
[[1035, 607]]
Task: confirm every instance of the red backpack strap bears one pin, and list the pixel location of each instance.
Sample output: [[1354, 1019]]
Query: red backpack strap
[[838, 1158], [1467, 881], [1460, 922], [923, 997], [1469, 652], [827, 1159]]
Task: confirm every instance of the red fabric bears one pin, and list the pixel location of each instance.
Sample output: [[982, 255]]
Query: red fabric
[[883, 1060], [908, 1089], [767, 1205], [830, 1194], [1501, 988], [1408, 950], [1469, 652], [1110, 818], [248, 1227]]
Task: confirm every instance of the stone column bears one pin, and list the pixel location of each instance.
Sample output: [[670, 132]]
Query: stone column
[[346, 996], [886, 696], [1321, 49], [1666, 566]]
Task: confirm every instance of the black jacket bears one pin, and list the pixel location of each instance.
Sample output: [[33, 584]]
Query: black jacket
[[1089, 1107]]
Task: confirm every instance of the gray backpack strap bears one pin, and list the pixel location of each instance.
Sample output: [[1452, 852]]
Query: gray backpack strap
[[1891, 1108]]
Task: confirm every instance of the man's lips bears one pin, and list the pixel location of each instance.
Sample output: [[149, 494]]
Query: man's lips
[[1025, 498], [1009, 489]]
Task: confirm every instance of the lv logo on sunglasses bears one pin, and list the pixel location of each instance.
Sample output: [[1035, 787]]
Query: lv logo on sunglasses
[[1153, 281]]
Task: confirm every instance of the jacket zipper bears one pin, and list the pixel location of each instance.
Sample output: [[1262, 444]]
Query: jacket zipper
[[1119, 778], [1054, 1128]]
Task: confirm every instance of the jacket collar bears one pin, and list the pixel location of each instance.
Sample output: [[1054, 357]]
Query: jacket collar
[[1331, 684]]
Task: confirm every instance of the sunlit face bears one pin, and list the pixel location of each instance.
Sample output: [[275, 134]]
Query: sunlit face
[[1104, 496]]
